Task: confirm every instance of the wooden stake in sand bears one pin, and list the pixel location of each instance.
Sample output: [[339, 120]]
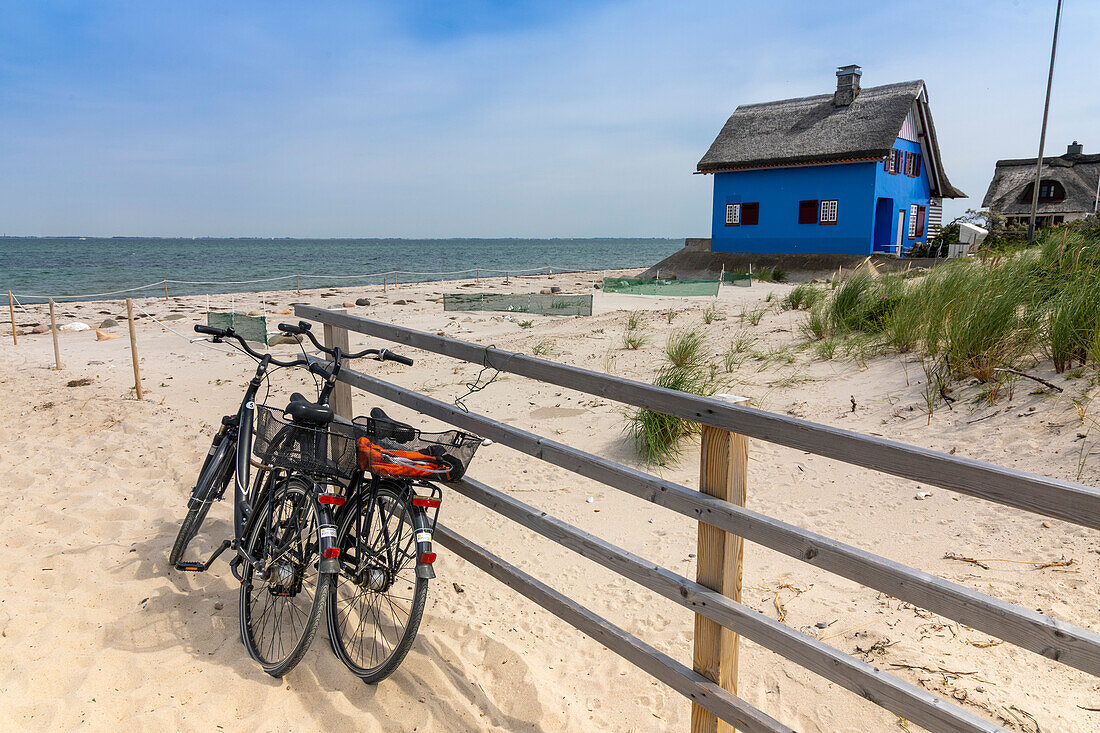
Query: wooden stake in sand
[[723, 464], [11, 309], [133, 349], [297, 284], [166, 290], [53, 330]]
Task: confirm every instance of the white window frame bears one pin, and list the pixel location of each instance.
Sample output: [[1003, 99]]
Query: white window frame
[[733, 215], [828, 211], [912, 221]]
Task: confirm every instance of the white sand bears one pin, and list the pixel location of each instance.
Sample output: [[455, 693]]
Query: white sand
[[96, 630]]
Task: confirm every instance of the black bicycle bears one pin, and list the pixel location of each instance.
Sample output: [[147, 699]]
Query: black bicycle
[[313, 535]]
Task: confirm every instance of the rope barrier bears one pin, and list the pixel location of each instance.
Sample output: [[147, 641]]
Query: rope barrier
[[157, 284], [166, 327]]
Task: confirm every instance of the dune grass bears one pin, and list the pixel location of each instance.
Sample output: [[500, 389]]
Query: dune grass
[[658, 437], [974, 316], [802, 297]]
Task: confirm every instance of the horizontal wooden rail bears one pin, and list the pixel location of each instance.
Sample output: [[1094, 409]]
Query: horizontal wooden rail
[[881, 688], [1050, 497], [1068, 644], [684, 680]]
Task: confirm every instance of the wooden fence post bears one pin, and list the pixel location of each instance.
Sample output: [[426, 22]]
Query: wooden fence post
[[53, 330], [723, 464], [340, 400], [133, 349], [298, 284], [166, 289], [11, 309]]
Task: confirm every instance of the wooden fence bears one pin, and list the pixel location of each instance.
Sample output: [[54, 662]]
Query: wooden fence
[[714, 596]]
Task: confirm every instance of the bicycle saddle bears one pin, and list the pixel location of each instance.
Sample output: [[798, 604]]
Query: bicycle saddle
[[387, 427], [304, 412]]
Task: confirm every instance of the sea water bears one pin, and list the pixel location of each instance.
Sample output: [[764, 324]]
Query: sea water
[[63, 267]]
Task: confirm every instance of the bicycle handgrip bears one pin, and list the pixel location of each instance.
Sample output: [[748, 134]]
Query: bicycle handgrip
[[390, 356], [210, 330], [298, 329]]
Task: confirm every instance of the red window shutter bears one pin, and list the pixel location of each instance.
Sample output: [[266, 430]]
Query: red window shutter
[[916, 165], [921, 212], [807, 212], [750, 214], [886, 162]]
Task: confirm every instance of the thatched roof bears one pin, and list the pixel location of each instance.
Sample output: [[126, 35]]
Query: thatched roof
[[1078, 175], [813, 130]]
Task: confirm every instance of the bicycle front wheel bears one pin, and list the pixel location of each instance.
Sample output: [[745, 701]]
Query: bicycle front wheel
[[213, 478], [280, 613], [377, 600]]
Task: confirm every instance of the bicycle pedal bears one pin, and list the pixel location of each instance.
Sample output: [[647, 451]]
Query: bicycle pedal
[[191, 567]]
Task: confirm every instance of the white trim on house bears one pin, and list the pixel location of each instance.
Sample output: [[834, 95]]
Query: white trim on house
[[828, 211], [733, 214], [935, 217], [910, 129]]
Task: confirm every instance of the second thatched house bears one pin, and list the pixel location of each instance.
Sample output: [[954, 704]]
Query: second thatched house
[[1069, 188]]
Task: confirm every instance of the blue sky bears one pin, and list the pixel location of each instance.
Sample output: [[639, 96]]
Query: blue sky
[[483, 118]]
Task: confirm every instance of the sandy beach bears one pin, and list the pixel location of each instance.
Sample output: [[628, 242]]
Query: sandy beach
[[96, 631]]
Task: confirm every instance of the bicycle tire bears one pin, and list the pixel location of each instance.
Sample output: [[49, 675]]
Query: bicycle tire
[[344, 612], [213, 478], [293, 571]]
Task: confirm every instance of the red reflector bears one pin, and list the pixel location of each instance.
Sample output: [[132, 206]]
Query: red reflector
[[425, 501], [331, 499], [332, 552], [427, 557]]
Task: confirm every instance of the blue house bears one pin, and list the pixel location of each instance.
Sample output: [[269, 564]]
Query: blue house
[[853, 172]]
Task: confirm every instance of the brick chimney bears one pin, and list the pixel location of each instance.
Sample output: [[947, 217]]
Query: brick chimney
[[1075, 148], [847, 85]]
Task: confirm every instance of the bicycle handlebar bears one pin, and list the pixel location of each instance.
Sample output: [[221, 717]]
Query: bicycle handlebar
[[302, 328]]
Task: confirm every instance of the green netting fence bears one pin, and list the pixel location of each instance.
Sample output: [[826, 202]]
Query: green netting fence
[[742, 279], [251, 328], [537, 303], [652, 286]]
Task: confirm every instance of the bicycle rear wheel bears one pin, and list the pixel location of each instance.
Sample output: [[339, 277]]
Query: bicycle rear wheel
[[280, 613], [213, 478], [377, 599]]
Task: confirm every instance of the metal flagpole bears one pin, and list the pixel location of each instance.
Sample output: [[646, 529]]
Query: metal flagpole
[[1043, 134]]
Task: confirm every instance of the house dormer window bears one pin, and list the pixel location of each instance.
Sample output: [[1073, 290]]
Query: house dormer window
[[828, 212], [1050, 192], [733, 215]]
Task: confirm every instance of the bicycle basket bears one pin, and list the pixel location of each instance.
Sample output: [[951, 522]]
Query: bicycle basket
[[439, 456], [285, 444]]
